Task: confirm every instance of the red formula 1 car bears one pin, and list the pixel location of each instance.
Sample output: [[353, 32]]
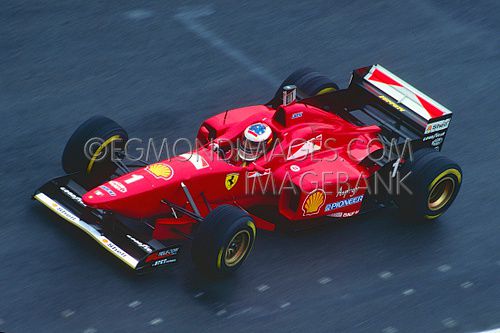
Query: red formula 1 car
[[313, 151]]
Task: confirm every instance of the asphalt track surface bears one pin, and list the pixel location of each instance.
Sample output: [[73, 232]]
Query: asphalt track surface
[[159, 68]]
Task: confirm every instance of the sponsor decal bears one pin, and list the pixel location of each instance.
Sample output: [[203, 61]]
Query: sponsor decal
[[313, 202], [163, 254], [343, 203], [73, 196], [294, 168], [254, 174], [118, 186], [108, 190], [437, 126], [168, 252], [434, 136], [160, 171], [305, 148], [98, 193], [231, 180], [297, 115], [349, 191], [349, 214], [109, 244], [140, 244], [163, 262], [196, 160], [391, 103], [436, 142], [133, 179], [65, 213]]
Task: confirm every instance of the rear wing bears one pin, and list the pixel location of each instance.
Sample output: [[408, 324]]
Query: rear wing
[[376, 96], [410, 107]]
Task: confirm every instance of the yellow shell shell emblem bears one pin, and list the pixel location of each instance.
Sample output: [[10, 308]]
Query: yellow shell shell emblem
[[161, 170], [231, 180], [313, 202]]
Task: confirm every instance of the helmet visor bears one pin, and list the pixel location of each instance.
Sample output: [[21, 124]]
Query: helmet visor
[[249, 150]]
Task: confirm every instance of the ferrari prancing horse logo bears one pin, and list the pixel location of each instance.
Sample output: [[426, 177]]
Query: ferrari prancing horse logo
[[231, 180]]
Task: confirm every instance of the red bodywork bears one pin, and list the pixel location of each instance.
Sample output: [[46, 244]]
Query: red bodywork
[[313, 165]]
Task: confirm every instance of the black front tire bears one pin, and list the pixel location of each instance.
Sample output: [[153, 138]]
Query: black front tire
[[87, 152], [434, 181], [223, 240]]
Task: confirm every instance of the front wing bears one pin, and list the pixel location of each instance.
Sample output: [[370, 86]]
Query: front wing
[[127, 239]]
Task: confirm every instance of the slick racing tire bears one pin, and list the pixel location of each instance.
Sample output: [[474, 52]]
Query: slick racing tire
[[308, 82], [223, 241], [435, 182], [88, 151]]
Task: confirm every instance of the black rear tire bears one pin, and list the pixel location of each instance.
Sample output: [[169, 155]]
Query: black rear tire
[[308, 82], [434, 181], [88, 152], [223, 240]]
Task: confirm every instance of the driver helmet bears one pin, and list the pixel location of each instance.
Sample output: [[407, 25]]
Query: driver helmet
[[256, 138]]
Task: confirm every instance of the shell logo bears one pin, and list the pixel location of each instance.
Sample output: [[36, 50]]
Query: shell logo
[[160, 170], [313, 202]]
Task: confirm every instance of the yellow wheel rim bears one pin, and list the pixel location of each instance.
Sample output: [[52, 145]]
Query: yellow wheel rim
[[325, 90], [237, 248], [441, 193], [99, 150]]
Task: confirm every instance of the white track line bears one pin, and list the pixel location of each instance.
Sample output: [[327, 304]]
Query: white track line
[[262, 288], [134, 304], [285, 305], [189, 16], [67, 313], [156, 321]]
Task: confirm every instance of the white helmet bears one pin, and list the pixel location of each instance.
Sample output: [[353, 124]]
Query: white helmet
[[254, 141]]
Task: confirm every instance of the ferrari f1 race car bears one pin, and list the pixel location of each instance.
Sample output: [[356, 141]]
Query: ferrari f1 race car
[[313, 152]]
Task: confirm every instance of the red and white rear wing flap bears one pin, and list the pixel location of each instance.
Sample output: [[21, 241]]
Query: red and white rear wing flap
[[405, 94], [427, 115]]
